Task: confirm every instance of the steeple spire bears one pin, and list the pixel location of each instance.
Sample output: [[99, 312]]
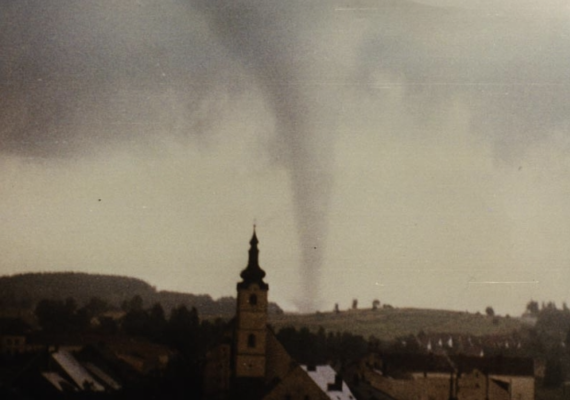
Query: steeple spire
[[253, 272]]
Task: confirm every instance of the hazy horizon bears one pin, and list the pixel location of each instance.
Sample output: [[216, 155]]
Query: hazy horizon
[[411, 152]]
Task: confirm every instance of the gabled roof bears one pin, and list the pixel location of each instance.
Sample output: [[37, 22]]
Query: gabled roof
[[508, 366]]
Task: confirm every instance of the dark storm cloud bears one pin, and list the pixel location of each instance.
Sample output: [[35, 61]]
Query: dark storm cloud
[[76, 75], [508, 64], [73, 75]]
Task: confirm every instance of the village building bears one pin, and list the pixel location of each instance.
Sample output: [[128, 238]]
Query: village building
[[445, 377], [248, 362], [13, 336]]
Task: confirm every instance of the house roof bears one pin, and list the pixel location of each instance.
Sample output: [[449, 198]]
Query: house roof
[[82, 378], [59, 382], [102, 376], [500, 365], [325, 377]]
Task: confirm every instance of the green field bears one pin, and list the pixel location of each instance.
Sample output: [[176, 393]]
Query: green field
[[388, 324]]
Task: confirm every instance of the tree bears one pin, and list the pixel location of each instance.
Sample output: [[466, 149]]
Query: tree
[[181, 318], [48, 313], [551, 306], [157, 314], [375, 304], [59, 316], [532, 307], [96, 306], [137, 323], [489, 311], [134, 304], [185, 333], [70, 306], [157, 322], [354, 304]]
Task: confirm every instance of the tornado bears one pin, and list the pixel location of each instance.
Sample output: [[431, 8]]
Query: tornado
[[271, 41]]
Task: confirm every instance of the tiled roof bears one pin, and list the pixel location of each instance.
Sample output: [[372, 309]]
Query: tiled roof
[[510, 366]]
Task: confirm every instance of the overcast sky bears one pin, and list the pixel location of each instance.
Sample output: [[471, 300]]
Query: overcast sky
[[413, 152]]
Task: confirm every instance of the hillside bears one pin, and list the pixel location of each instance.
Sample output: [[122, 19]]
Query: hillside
[[388, 324], [26, 290]]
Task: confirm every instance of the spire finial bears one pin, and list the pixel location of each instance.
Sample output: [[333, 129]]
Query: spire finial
[[254, 240]]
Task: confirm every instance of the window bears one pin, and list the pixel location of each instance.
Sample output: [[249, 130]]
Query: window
[[251, 341], [253, 300]]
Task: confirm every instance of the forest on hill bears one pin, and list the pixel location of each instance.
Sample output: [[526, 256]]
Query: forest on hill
[[25, 291]]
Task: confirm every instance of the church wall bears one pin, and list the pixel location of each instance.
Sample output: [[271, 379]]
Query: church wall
[[244, 299], [217, 374], [279, 362], [243, 341], [250, 366], [252, 320]]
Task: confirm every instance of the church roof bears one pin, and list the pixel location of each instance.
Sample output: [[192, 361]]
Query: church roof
[[253, 274]]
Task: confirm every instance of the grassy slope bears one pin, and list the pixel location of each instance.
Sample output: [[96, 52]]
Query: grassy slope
[[391, 323]]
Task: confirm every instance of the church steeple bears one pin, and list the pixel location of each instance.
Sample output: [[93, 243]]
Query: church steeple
[[251, 319], [253, 272]]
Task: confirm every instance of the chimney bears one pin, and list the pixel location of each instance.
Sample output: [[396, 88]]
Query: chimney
[[336, 386]]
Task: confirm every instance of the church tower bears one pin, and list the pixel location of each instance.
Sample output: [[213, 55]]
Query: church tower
[[251, 318]]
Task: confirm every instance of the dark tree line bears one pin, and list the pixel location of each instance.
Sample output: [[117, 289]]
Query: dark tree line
[[321, 347], [58, 316], [182, 330]]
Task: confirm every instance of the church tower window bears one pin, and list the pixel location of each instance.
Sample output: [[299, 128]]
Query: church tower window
[[253, 300]]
